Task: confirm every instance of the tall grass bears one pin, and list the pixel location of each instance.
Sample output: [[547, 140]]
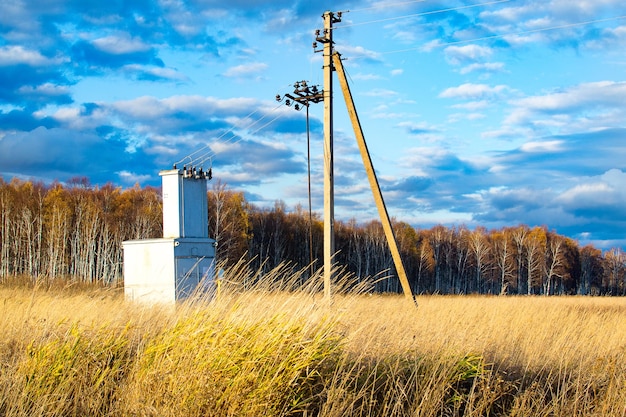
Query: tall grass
[[270, 350]]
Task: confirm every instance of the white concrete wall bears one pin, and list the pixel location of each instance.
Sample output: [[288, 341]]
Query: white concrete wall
[[149, 271], [168, 270], [172, 213], [185, 211]]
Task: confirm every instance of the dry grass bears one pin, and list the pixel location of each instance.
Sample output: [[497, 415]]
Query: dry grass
[[276, 353]]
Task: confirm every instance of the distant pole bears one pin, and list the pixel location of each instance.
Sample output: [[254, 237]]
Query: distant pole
[[308, 161], [326, 38], [303, 95]]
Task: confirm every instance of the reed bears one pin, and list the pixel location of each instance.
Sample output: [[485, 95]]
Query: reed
[[270, 349]]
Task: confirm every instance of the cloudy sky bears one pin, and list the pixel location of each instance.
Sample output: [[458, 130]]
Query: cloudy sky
[[491, 113]]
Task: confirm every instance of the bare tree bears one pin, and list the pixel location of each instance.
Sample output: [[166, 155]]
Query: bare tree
[[535, 249], [518, 236], [591, 270], [503, 258], [480, 249], [556, 263], [426, 263], [614, 271]]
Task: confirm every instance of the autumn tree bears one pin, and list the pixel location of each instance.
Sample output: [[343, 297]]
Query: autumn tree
[[614, 272], [437, 240], [556, 264], [350, 245], [7, 220], [425, 263], [591, 270], [504, 261], [456, 256], [229, 222], [58, 213], [535, 249], [518, 236], [407, 239], [76, 230], [481, 251]]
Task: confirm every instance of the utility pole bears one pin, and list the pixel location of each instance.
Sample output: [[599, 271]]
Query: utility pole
[[303, 95], [371, 176], [326, 38]]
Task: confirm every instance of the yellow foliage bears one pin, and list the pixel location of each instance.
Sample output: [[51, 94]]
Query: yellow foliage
[[286, 353]]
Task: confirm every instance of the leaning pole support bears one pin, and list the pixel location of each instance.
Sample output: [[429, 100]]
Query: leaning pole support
[[371, 176]]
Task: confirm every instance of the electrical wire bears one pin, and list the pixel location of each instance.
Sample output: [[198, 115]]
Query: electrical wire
[[423, 13], [386, 6], [221, 136], [525, 32], [202, 158], [209, 155]]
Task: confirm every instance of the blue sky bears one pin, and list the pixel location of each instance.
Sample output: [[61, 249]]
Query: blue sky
[[491, 113]]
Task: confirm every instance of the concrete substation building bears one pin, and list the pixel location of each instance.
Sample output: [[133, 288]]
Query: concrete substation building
[[171, 268]]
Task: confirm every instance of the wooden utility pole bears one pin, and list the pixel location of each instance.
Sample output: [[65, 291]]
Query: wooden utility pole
[[371, 176], [303, 96], [332, 62], [326, 38]]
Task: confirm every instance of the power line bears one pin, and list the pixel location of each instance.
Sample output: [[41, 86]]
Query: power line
[[209, 155], [202, 158], [424, 13], [404, 3], [207, 145], [525, 32]]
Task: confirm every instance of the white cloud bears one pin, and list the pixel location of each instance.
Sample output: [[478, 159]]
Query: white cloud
[[459, 54], [542, 147], [472, 105], [358, 52], [366, 77], [245, 70], [381, 92], [15, 55], [157, 72], [608, 189], [47, 89], [597, 93], [486, 67], [120, 45], [132, 178], [473, 91], [585, 106]]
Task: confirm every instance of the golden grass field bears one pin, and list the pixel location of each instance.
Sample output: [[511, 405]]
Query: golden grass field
[[262, 352]]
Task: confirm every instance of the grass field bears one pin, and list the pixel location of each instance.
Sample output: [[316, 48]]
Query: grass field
[[86, 352]]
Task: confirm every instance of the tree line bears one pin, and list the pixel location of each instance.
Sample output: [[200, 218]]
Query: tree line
[[75, 231]]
